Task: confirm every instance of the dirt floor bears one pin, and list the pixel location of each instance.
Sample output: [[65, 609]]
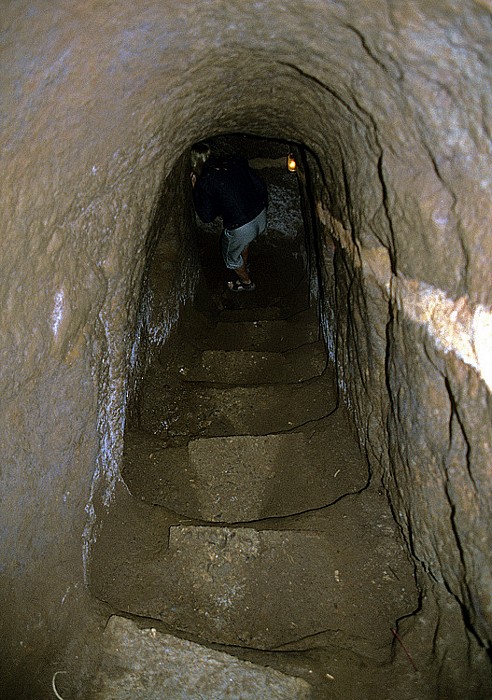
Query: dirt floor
[[252, 525]]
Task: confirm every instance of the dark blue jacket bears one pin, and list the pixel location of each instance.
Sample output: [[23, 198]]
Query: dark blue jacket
[[229, 188]]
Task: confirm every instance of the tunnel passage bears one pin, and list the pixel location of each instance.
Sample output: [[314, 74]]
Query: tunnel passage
[[251, 522], [391, 102], [285, 261], [255, 527]]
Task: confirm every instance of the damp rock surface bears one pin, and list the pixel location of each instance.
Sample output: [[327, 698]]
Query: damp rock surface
[[318, 564], [142, 664], [388, 105]]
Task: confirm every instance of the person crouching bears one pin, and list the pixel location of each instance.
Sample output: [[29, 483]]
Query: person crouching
[[226, 186]]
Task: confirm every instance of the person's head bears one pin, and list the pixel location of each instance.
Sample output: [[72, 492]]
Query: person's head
[[200, 153]]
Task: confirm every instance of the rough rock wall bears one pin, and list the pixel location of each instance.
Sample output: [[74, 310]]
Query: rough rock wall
[[99, 100], [411, 248], [170, 275], [83, 163]]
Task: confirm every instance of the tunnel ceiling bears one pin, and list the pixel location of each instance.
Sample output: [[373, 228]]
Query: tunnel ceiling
[[363, 86]]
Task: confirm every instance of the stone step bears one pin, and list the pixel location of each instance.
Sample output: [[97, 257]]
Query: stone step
[[269, 301], [144, 664], [336, 577], [279, 335], [250, 367], [188, 410], [262, 313], [245, 478], [272, 312], [199, 334], [233, 576]]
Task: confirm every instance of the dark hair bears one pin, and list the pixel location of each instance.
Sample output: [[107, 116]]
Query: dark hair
[[200, 152]]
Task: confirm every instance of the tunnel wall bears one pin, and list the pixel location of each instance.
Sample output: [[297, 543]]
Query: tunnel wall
[[99, 101], [412, 341], [402, 386], [170, 275]]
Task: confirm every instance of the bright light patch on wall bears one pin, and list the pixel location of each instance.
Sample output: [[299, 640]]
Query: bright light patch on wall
[[57, 313], [456, 325], [482, 340]]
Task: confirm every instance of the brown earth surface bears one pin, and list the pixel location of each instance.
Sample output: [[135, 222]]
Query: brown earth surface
[[251, 524]]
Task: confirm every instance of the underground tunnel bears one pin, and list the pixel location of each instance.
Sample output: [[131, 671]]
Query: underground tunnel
[[388, 110], [266, 535]]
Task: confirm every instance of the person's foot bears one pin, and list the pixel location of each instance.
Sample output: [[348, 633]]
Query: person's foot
[[239, 286]]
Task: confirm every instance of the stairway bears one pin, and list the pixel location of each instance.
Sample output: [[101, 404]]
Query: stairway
[[249, 522]]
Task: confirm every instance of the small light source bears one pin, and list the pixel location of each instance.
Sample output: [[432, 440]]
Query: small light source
[[291, 163]]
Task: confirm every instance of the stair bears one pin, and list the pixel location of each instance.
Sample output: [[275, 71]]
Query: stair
[[142, 664], [248, 521], [251, 477], [208, 410], [333, 577], [235, 575], [256, 367], [263, 335]]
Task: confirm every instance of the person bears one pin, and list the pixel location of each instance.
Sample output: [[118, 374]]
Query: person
[[228, 187]]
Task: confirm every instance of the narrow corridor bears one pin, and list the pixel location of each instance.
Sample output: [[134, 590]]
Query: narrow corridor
[[110, 480], [252, 523]]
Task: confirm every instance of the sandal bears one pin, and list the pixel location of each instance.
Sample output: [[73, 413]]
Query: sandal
[[238, 286]]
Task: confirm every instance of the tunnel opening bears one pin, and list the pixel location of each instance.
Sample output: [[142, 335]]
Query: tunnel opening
[[250, 523], [182, 253]]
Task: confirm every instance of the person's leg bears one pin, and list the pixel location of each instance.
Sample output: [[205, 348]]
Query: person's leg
[[235, 248], [245, 255], [258, 227], [242, 272]]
